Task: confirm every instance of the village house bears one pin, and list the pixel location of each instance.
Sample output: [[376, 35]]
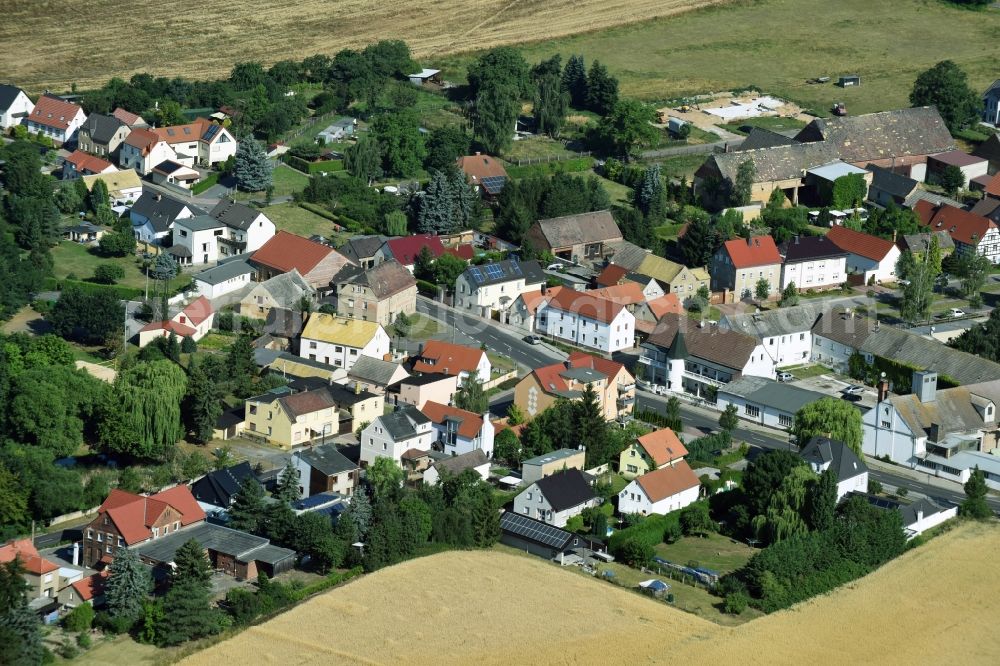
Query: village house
[[79, 163], [693, 358], [324, 469], [991, 104], [919, 243], [669, 488], [124, 187], [785, 333], [447, 358], [55, 118], [282, 291], [102, 135], [378, 294], [215, 491], [970, 166], [201, 142], [142, 150], [614, 275], [282, 328], [543, 540], [375, 375], [288, 417], [418, 390], [850, 472], [85, 232], [524, 309], [87, 590], [169, 172], [576, 238], [674, 278], [740, 263], [338, 130], [340, 342], [586, 320], [871, 258], [406, 249], [44, 577], [363, 250], [556, 498], [889, 188], [315, 262], [15, 106], [484, 173], [460, 431], [765, 401], [452, 466], [194, 321], [812, 262], [391, 435], [125, 520], [629, 294], [229, 275], [230, 229], [153, 216], [490, 288], [650, 312], [612, 383], [650, 452], [551, 463], [969, 232]]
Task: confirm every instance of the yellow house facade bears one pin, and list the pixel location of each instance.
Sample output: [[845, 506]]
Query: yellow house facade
[[297, 419], [652, 451]]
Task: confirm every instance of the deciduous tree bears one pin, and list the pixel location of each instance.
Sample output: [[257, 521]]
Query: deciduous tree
[[470, 395], [946, 87], [363, 160], [729, 419], [832, 418]]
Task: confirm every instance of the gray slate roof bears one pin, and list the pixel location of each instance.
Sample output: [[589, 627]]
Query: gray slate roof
[[917, 242], [327, 460], [628, 255], [809, 248], [373, 370], [283, 323], [765, 138], [385, 280], [879, 136], [8, 94], [227, 270], [844, 462], [287, 288], [895, 184], [235, 215], [770, 393], [362, 247], [565, 489], [596, 227], [458, 464], [101, 128], [161, 210], [935, 198], [777, 163], [244, 547], [200, 223], [782, 321], [402, 424]]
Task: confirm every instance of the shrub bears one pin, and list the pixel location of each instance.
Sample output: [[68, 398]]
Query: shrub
[[67, 650], [79, 619], [84, 641], [225, 320], [634, 552], [108, 273], [874, 486], [188, 345], [735, 603]]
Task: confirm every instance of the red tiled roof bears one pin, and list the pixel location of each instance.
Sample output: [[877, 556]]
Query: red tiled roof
[[579, 359], [24, 551], [611, 275], [285, 251], [550, 376], [198, 311], [143, 139], [962, 225], [470, 422], [758, 251], [183, 133], [464, 252], [586, 305], [861, 244], [662, 446], [925, 211], [628, 293], [126, 117], [449, 359], [957, 158], [180, 498], [53, 112], [86, 162], [479, 167], [177, 328], [133, 515], [667, 481], [406, 248], [91, 586], [666, 304], [532, 299]]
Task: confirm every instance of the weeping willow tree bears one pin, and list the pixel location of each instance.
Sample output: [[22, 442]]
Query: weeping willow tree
[[143, 418], [783, 517]]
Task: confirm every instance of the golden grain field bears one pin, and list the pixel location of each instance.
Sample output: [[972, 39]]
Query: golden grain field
[[54, 43], [936, 604]]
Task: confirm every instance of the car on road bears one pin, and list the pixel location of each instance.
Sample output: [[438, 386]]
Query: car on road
[[955, 312], [854, 389], [553, 267], [785, 376], [533, 339]]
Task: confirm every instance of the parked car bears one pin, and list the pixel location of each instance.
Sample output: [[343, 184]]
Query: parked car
[[553, 267], [854, 389], [903, 283], [533, 339], [955, 312], [785, 376]]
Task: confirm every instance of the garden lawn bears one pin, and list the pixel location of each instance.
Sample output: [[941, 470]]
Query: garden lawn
[[716, 552], [773, 123], [293, 218], [71, 258], [619, 193], [807, 371], [286, 181], [422, 327], [537, 148]]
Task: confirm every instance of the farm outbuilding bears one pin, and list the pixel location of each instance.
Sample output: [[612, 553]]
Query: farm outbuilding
[[425, 76], [848, 80]]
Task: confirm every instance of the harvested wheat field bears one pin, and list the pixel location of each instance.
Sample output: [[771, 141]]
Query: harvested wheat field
[[936, 604], [53, 43]]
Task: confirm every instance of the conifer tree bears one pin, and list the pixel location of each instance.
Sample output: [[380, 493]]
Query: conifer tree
[[574, 80], [288, 484], [247, 512], [202, 403], [250, 166], [127, 586], [436, 207]]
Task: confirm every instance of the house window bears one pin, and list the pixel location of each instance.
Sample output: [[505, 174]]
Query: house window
[[886, 424], [384, 446], [121, 542], [107, 549], [312, 345], [785, 421], [100, 537], [752, 410], [632, 469], [156, 532]]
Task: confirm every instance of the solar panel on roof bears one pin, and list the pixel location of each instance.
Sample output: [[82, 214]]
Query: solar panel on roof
[[494, 271], [476, 274], [211, 131], [494, 183], [533, 529]]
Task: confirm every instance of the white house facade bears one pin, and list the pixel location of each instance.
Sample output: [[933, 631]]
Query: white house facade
[[15, 106], [494, 287], [391, 435], [765, 401], [556, 498], [340, 342], [587, 321], [661, 491]]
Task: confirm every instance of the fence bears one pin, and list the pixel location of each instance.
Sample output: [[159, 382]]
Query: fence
[[528, 161], [307, 124]]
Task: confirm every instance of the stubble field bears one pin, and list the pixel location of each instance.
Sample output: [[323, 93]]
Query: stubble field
[[54, 43], [936, 604]]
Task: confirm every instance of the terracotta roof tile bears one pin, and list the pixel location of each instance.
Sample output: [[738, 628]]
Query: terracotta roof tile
[[24, 551], [449, 359], [666, 304], [861, 244], [479, 167], [962, 225], [629, 293], [532, 299], [662, 446], [53, 112], [91, 586], [285, 251], [469, 424], [198, 310], [133, 515], [177, 328], [611, 275], [758, 251], [126, 117], [86, 162], [405, 249], [143, 139], [586, 305], [667, 481], [579, 359]]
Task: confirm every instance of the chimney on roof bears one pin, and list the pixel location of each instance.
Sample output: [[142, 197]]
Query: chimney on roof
[[796, 239], [936, 432], [478, 153], [883, 388], [159, 196], [893, 236], [924, 385]]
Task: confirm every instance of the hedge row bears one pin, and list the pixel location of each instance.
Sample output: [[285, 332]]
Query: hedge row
[[573, 165], [212, 179], [124, 293], [331, 580], [304, 166], [318, 210]]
